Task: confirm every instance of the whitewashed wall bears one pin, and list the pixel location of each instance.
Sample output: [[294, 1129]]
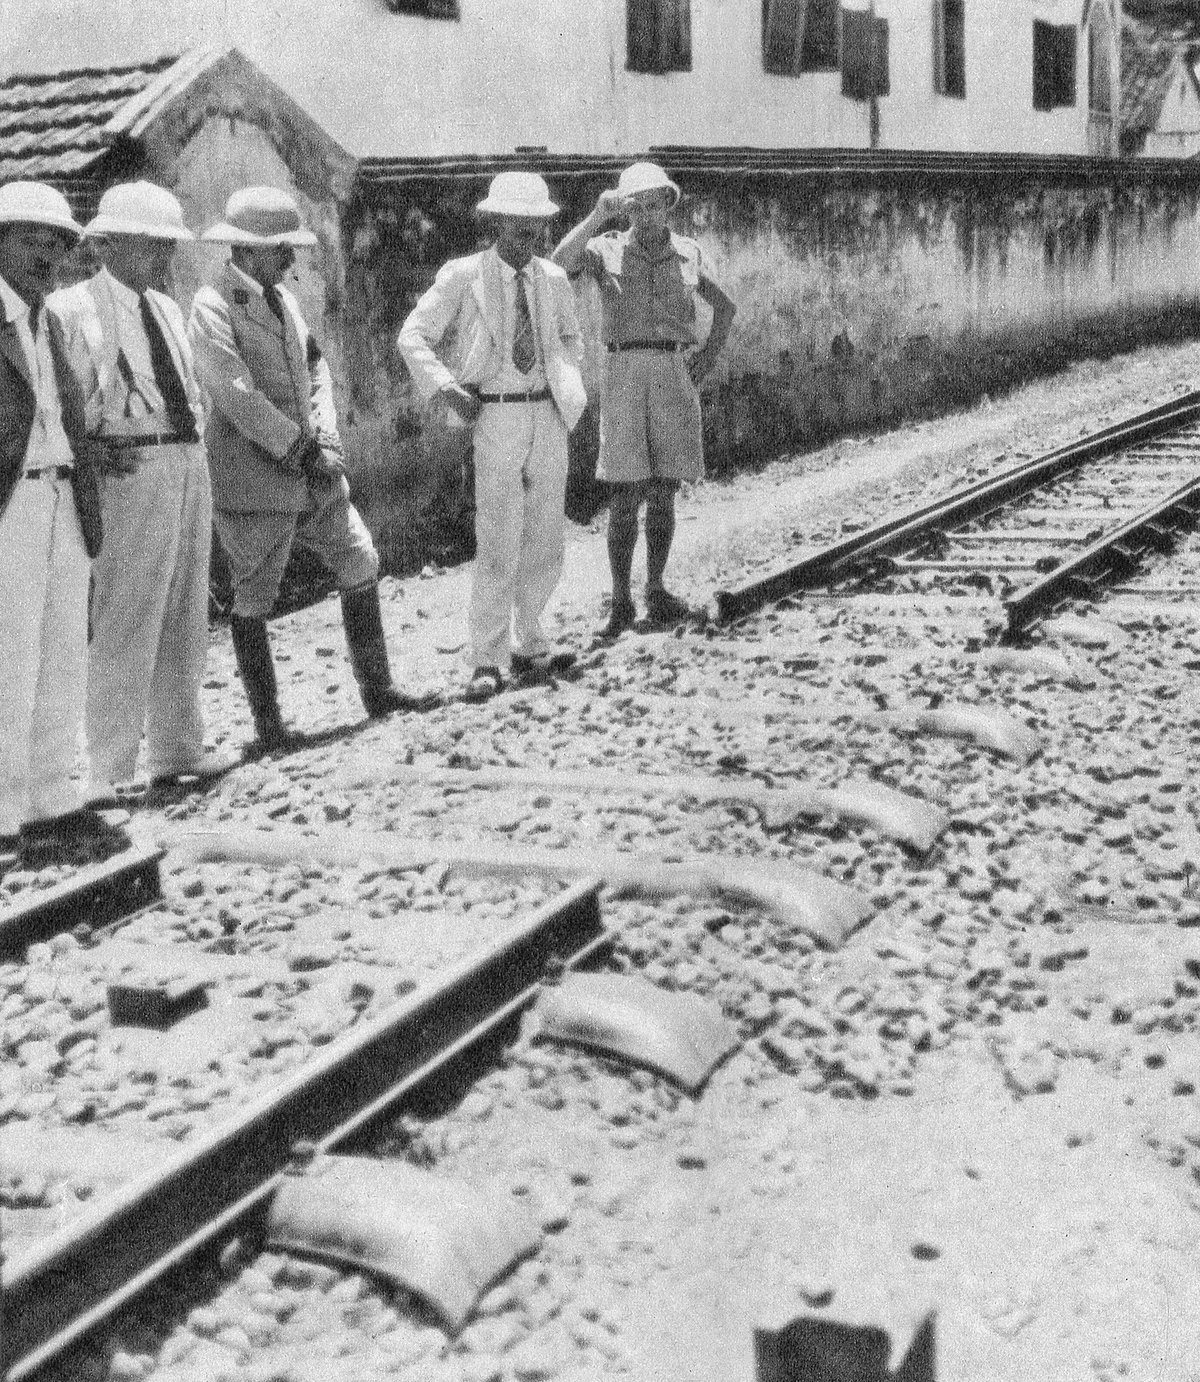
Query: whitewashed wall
[[552, 72]]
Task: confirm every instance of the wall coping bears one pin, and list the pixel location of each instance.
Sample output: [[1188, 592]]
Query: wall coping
[[884, 165]]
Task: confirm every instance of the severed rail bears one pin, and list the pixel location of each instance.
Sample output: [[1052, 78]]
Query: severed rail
[[854, 557], [94, 897], [52, 1295]]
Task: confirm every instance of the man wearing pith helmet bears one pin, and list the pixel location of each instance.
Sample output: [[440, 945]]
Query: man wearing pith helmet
[[276, 456], [650, 435], [49, 527], [496, 338], [127, 344]]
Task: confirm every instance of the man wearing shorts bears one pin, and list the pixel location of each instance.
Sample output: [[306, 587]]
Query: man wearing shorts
[[650, 436]]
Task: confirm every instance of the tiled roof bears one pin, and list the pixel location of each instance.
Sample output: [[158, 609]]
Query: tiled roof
[[53, 125]]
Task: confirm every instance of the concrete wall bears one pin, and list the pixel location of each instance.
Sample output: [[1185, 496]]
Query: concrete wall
[[861, 301], [553, 73]]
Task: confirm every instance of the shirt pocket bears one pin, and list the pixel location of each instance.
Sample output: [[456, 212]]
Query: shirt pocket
[[674, 300]]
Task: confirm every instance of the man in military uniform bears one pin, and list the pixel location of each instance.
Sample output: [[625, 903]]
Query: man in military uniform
[[276, 456]]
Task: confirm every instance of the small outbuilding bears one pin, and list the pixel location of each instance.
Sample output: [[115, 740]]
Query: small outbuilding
[[201, 124]]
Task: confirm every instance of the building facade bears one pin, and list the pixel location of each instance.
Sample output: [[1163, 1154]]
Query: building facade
[[413, 78]]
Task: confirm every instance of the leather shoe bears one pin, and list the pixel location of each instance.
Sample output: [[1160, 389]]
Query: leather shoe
[[621, 617], [41, 841], [386, 700], [545, 664], [666, 609], [484, 684], [211, 765]]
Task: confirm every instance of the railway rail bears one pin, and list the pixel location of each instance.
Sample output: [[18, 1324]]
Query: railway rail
[[66, 1284], [879, 551], [850, 1023]]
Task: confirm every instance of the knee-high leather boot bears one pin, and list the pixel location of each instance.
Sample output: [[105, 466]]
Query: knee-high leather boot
[[252, 648], [369, 655]]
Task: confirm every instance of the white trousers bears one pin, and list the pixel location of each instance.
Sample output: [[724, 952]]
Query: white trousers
[[150, 617], [43, 651], [520, 489]]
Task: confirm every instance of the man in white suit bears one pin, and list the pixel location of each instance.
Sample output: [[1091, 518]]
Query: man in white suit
[[49, 528], [128, 349], [504, 321]]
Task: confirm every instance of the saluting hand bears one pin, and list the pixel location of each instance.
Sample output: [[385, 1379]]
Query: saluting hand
[[608, 206]]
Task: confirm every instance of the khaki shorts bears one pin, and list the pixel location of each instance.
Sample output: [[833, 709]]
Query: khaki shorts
[[649, 419], [258, 545]]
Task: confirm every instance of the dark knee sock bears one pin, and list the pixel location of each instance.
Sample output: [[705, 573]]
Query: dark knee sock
[[660, 532], [622, 539]]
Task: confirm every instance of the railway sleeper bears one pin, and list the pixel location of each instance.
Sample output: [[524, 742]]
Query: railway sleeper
[[896, 815], [800, 900], [438, 1236], [679, 1035]]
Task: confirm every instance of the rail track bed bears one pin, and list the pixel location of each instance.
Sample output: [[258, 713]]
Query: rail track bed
[[965, 1072], [1052, 529]]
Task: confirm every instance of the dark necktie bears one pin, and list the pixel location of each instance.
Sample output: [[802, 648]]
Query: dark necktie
[[275, 303], [166, 376], [524, 351]]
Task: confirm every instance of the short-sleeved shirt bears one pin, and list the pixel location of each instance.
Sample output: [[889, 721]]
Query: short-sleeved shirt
[[646, 295]]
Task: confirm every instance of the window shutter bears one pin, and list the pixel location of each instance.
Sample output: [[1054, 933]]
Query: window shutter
[[1065, 64], [819, 42], [952, 14], [864, 55], [1053, 65], [658, 35], [783, 36]]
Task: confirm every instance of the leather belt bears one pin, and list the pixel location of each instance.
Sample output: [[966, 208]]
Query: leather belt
[[614, 346], [129, 443], [48, 472], [538, 396]]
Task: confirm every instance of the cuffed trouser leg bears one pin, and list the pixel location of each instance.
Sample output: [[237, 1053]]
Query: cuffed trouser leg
[[43, 645], [542, 543], [150, 617], [503, 441], [175, 722]]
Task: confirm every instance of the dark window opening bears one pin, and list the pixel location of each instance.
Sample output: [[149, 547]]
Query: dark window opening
[[819, 50], [864, 55], [658, 35], [949, 48], [426, 9], [1053, 65]]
